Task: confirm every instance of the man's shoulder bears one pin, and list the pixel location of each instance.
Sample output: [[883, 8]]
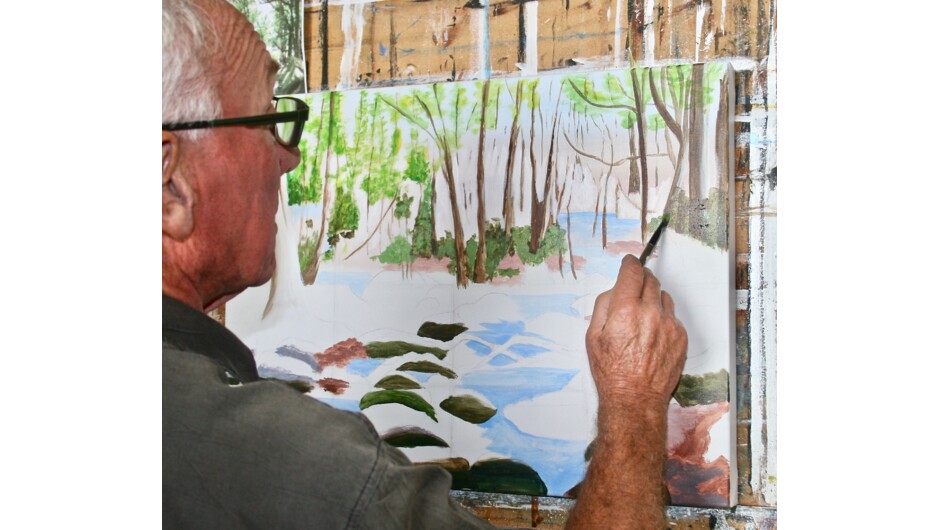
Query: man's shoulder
[[259, 449]]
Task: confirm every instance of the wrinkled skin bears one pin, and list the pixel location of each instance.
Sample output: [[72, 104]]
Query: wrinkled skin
[[637, 349], [635, 344], [220, 192]]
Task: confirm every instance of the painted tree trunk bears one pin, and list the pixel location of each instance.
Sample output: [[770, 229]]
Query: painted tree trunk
[[540, 207], [460, 244], [641, 140], [696, 125], [508, 211], [479, 268], [310, 272]]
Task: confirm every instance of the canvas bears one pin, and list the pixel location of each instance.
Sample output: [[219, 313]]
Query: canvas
[[440, 248]]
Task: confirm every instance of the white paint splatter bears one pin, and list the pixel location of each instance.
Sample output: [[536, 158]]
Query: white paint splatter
[[352, 25], [649, 32], [481, 62], [724, 11], [531, 66], [618, 40], [699, 24]]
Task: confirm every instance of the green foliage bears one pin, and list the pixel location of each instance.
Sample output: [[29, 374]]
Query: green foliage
[[397, 382], [679, 80], [345, 217], [305, 182], [427, 367], [704, 219], [402, 397], [447, 248], [403, 206], [421, 235], [498, 244], [628, 120], [468, 408], [395, 146], [306, 249], [380, 179], [702, 389], [552, 243], [398, 252], [655, 122], [395, 348], [418, 169]]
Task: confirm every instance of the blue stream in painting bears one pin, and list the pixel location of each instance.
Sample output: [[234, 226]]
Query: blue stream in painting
[[356, 281], [501, 360], [479, 348], [598, 260], [560, 463], [527, 350], [363, 367], [420, 376], [341, 404], [500, 332]]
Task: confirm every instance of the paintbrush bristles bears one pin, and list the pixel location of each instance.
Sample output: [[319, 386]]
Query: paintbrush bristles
[[653, 240]]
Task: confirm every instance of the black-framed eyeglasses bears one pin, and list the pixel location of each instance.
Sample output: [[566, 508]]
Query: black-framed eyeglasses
[[288, 121]]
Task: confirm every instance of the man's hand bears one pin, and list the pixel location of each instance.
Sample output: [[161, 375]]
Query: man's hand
[[635, 344], [637, 349]]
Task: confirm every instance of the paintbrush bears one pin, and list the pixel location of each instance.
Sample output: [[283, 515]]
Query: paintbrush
[[653, 240]]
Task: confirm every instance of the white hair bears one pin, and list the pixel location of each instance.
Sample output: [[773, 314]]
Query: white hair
[[190, 91]]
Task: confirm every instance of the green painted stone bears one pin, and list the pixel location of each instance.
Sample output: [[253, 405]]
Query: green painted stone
[[402, 397], [396, 348], [468, 408], [397, 382], [427, 367], [441, 332], [413, 437], [507, 476]]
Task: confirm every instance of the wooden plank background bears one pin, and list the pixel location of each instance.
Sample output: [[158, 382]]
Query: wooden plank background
[[352, 44]]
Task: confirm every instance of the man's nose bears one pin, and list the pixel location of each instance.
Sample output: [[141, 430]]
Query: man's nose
[[290, 158]]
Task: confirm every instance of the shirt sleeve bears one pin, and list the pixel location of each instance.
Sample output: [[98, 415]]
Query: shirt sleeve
[[403, 495], [263, 455]]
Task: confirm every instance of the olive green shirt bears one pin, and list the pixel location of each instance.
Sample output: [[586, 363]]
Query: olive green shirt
[[242, 452]]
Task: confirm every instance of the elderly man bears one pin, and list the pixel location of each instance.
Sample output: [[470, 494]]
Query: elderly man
[[239, 452]]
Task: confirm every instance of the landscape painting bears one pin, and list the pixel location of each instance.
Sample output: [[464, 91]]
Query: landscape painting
[[440, 248]]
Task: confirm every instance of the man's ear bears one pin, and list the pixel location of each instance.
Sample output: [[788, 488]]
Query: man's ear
[[178, 195]]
